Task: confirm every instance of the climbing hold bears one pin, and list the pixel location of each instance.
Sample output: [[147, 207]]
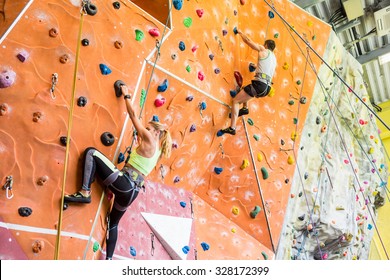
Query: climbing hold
[[117, 87], [177, 179], [142, 98], [121, 157], [235, 210], [271, 14], [163, 87], [369, 226], [318, 120], [154, 32], [300, 194], [293, 135], [255, 211], [178, 4], [192, 128], [309, 227], [242, 2], [286, 181], [182, 46], [314, 37], [187, 22], [282, 142], [3, 109], [85, 42], [37, 246], [211, 56], [299, 82], [234, 230], [257, 137], [264, 172], [205, 246], [265, 256], [173, 56], [63, 140], [37, 116], [95, 247], [7, 78], [306, 176], [139, 35], [24, 211], [218, 170], [42, 180], [107, 139], [81, 101], [188, 68], [238, 77], [200, 76], [259, 157], [276, 35], [271, 92], [199, 12], [302, 100], [250, 121], [116, 5], [252, 67], [118, 45], [371, 150], [159, 101], [186, 249], [286, 66], [189, 98], [290, 160], [202, 105], [224, 32], [133, 252], [53, 32], [323, 129], [23, 55], [183, 204], [245, 164], [310, 23], [233, 93], [90, 8], [155, 118], [104, 69], [217, 71], [291, 102], [64, 59], [219, 133], [235, 31], [301, 218]]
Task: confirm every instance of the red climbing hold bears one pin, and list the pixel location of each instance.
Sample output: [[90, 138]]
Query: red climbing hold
[[154, 32], [199, 12], [238, 78]]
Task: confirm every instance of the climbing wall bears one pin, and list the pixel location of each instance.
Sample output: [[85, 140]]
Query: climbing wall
[[228, 194]]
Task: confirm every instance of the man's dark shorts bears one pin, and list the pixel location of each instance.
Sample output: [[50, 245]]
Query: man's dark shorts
[[257, 89]]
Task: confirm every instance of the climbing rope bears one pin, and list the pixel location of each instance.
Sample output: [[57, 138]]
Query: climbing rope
[[70, 123]]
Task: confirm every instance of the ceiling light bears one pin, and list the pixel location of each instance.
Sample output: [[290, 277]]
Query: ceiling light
[[384, 58]]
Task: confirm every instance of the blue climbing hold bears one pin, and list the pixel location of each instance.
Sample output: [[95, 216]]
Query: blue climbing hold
[[104, 69], [163, 87], [235, 30], [121, 158], [233, 93], [271, 14], [218, 170], [202, 105], [182, 46], [369, 226], [205, 246], [183, 204], [178, 4], [186, 249], [219, 133], [133, 252], [155, 119], [252, 67]]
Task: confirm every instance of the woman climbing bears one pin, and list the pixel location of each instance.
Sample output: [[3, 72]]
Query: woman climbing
[[155, 142]]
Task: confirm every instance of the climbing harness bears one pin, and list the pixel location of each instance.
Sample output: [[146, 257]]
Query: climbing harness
[[54, 81], [8, 187]]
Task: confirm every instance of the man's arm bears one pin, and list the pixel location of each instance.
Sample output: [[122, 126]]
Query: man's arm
[[250, 43]]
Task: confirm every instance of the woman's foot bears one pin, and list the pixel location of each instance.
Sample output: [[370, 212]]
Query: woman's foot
[[81, 196]]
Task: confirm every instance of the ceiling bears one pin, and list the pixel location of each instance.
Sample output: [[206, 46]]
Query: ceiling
[[355, 26]]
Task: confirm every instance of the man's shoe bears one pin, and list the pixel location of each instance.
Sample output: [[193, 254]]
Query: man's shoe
[[77, 197], [243, 111], [229, 130]]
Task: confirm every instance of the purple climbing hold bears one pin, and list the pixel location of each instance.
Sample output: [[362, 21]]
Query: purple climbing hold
[[217, 71], [211, 56], [224, 32], [7, 78], [192, 128], [23, 55], [189, 98], [177, 179]]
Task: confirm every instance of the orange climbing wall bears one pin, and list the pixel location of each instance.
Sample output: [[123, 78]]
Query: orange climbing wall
[[34, 151]]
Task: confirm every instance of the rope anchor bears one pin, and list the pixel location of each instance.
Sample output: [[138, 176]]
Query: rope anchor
[[8, 187], [54, 81]]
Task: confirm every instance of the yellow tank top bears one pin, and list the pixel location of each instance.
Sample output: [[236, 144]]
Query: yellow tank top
[[143, 164]]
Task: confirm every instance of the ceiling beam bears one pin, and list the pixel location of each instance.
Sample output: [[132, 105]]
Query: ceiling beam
[[373, 54], [307, 3]]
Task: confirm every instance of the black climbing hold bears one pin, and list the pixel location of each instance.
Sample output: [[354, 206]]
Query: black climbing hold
[[302, 217], [107, 139], [63, 140], [116, 5], [65, 206], [282, 142], [81, 101], [286, 181], [302, 100], [85, 42], [318, 120], [117, 87], [25, 211], [91, 9]]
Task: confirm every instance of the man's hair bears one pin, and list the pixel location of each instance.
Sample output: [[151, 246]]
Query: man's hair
[[270, 44]]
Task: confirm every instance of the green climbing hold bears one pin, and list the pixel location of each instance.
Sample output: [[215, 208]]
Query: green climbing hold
[[143, 97], [139, 35], [264, 172], [314, 37], [187, 22], [291, 102], [96, 246], [255, 211], [256, 137], [299, 82], [250, 121], [276, 35], [188, 68], [295, 120], [265, 256]]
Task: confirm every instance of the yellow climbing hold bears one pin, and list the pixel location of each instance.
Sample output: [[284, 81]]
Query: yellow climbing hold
[[310, 23], [234, 230], [259, 157], [271, 92], [371, 150], [374, 193], [294, 135], [290, 160], [245, 164], [235, 210], [286, 66]]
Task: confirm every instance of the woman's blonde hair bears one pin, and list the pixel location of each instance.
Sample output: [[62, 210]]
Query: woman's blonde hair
[[165, 137]]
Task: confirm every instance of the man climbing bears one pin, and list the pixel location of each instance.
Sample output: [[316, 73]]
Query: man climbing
[[260, 86]]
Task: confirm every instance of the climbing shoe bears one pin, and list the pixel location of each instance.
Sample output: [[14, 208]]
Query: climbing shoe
[[77, 197], [243, 111], [229, 130]]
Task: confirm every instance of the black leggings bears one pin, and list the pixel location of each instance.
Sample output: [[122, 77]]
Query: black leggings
[[122, 184]]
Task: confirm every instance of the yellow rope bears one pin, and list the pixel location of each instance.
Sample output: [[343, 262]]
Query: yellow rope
[[70, 122]]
